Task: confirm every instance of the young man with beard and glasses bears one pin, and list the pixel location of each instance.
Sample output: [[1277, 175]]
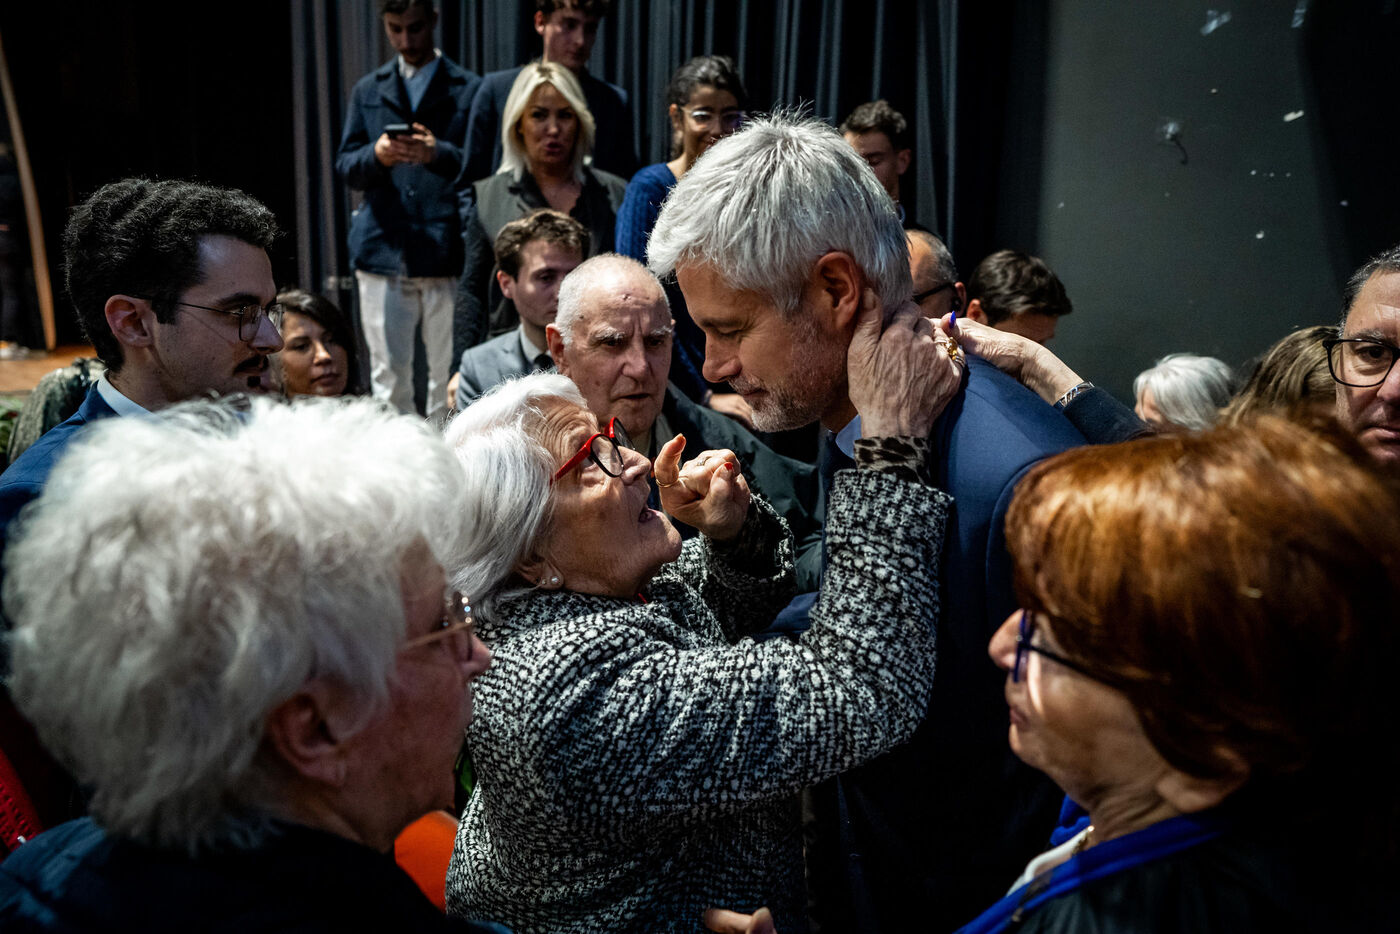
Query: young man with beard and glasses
[[778, 237], [173, 287]]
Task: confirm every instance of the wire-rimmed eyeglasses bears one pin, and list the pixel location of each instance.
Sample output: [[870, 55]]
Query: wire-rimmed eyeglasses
[[456, 622]]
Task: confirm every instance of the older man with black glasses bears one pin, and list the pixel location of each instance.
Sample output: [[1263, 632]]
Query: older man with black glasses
[[1362, 359]]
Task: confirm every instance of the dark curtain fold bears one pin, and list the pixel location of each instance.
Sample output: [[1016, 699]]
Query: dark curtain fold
[[825, 55]]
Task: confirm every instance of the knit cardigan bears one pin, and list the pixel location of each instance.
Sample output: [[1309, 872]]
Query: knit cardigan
[[638, 762]]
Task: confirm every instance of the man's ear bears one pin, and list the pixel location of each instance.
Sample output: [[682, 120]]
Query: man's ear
[[540, 19], [309, 731], [130, 319], [901, 161], [507, 284], [555, 340], [834, 289], [975, 312], [962, 296]]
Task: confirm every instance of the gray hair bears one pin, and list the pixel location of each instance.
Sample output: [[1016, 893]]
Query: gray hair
[[944, 269], [562, 79], [182, 576], [1387, 262], [588, 275], [761, 206], [1188, 390], [507, 507]]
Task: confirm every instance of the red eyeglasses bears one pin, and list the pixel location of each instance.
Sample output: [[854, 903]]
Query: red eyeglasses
[[603, 449]]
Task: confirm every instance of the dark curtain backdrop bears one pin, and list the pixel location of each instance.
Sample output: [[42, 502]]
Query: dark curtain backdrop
[[829, 55]]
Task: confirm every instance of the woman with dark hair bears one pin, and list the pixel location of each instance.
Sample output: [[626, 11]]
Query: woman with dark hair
[[318, 356], [705, 102], [1203, 662]]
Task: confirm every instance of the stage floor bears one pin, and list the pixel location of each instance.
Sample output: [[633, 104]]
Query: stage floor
[[21, 376]]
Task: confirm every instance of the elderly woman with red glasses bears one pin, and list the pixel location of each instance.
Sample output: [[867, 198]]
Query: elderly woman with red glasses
[[638, 760], [1205, 663]]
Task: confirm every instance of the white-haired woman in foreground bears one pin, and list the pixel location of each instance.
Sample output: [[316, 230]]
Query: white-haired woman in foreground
[[235, 629], [637, 759]]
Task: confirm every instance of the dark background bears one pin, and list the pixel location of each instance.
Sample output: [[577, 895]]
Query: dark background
[[1036, 127]]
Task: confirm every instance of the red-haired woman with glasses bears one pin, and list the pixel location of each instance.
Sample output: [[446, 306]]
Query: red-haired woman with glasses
[[1204, 664], [637, 758]]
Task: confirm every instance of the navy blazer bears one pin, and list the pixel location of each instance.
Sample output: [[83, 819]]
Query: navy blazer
[[932, 832], [490, 364], [613, 148], [25, 478], [408, 224]]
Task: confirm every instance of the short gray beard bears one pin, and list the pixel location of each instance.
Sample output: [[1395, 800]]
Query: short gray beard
[[807, 395]]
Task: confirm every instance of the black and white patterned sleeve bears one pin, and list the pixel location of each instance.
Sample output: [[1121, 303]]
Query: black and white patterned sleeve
[[651, 729], [746, 581]]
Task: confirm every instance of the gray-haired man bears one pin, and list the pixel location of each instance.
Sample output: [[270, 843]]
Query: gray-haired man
[[775, 238]]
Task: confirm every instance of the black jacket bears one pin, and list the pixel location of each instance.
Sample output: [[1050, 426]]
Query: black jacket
[[408, 223], [76, 878]]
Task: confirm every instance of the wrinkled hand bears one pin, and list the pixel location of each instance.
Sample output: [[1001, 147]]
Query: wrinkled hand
[[709, 492], [901, 375], [1031, 364], [732, 922], [733, 405]]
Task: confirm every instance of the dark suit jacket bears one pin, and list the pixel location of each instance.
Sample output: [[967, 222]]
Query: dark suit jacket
[[490, 364], [613, 149], [25, 479], [931, 833], [408, 223]]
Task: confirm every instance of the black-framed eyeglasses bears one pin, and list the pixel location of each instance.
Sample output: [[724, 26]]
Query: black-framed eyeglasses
[[456, 624], [929, 293], [1360, 361], [1024, 634], [603, 449], [249, 317]]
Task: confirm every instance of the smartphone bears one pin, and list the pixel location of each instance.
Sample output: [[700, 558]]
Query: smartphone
[[395, 130]]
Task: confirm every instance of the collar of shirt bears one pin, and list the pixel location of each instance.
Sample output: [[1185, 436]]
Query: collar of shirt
[[531, 351], [119, 403], [408, 72], [846, 438]]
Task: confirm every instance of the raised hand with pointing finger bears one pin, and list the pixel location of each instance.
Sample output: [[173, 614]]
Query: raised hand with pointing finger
[[709, 491]]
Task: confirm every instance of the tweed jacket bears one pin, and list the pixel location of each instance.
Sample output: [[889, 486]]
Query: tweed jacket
[[638, 762]]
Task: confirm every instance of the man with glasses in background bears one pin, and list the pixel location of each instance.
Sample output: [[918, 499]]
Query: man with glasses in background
[[173, 287], [1362, 360]]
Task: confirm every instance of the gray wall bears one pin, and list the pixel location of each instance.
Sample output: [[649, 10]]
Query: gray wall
[[1221, 255]]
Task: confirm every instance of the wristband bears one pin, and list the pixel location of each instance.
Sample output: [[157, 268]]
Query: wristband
[[1073, 391]]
